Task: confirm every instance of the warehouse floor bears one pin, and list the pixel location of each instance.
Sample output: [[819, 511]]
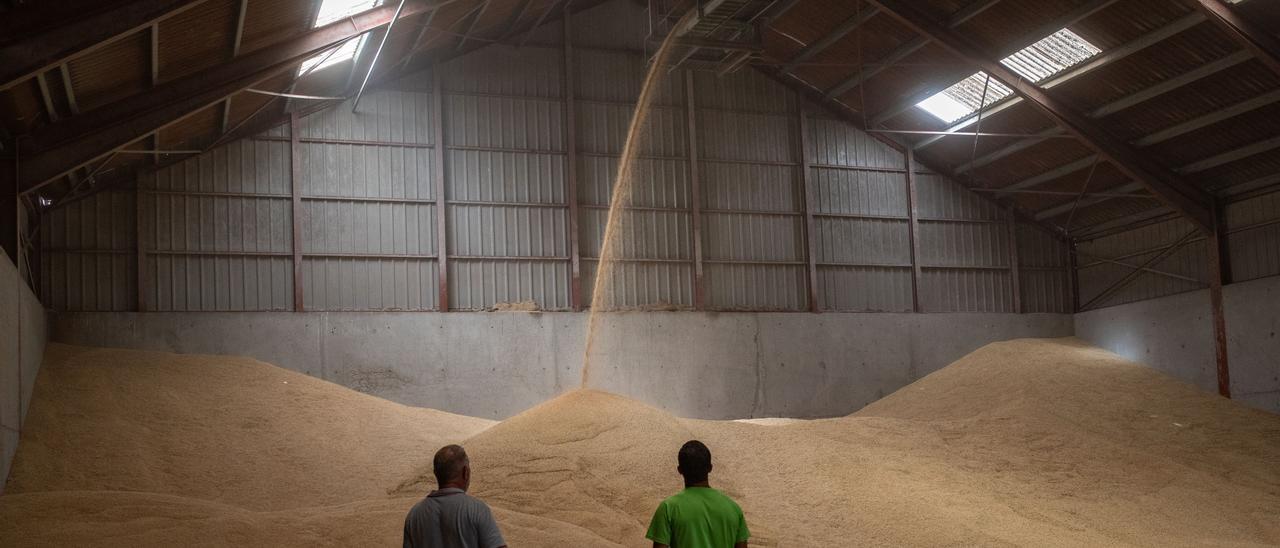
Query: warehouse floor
[[1030, 442]]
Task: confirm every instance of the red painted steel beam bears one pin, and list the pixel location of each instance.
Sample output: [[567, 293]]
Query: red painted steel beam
[[1219, 275], [571, 165], [62, 147], [691, 120], [810, 228], [295, 203], [1262, 44], [47, 36], [1172, 189]]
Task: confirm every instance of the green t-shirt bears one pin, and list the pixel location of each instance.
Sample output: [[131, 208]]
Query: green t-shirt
[[698, 517]]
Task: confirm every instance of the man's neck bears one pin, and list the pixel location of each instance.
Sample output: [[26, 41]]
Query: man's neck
[[452, 485], [703, 483]]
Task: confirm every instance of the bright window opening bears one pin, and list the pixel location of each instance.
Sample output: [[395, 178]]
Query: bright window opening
[[330, 11], [1037, 62]]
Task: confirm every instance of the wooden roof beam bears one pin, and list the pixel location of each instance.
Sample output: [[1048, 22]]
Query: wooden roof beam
[[71, 36], [1177, 193], [60, 148]]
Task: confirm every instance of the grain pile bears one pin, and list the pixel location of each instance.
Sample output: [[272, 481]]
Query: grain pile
[[1030, 442]]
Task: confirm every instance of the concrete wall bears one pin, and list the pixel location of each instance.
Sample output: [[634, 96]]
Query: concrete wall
[[22, 338], [708, 365], [1175, 335]]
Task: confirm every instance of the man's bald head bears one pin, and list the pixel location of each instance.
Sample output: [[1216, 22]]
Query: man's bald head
[[452, 467]]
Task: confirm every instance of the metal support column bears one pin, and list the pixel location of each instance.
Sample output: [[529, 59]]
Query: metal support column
[[811, 246], [571, 167], [442, 247], [1073, 276], [140, 247], [1219, 275], [295, 219], [913, 230], [699, 291], [1015, 280]]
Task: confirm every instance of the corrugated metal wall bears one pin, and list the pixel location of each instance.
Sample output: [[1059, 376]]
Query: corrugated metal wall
[[217, 229], [1253, 241]]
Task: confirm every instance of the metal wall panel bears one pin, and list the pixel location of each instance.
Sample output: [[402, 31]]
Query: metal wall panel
[[367, 228], [504, 122], [658, 183], [966, 291], [616, 77], [851, 242], [501, 69], [641, 234], [745, 137], [87, 254], [602, 129], [387, 115], [739, 286], [942, 198], [201, 283], [744, 90], [749, 187], [864, 289], [506, 231], [484, 176], [964, 244], [217, 230], [1135, 247], [341, 283], [1045, 291], [484, 284], [248, 166], [364, 171], [1044, 280], [642, 285], [872, 193], [1255, 241], [835, 142]]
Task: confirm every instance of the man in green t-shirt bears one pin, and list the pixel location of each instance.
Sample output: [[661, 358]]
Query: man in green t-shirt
[[699, 516]]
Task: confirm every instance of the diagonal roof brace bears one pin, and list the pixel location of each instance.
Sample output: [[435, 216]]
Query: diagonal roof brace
[[60, 148], [1172, 189]]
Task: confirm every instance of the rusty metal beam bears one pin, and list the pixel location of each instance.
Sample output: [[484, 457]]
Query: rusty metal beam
[[810, 232], [1179, 194], [441, 156], [913, 230], [1257, 40], [60, 148], [295, 218], [695, 204], [905, 50], [1015, 274], [571, 166], [471, 27], [1049, 27], [47, 44], [1219, 275]]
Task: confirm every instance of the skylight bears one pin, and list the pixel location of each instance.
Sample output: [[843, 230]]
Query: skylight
[[1037, 62], [330, 11]]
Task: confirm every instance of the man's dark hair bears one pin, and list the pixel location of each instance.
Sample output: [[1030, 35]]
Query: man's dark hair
[[448, 463], [695, 461]]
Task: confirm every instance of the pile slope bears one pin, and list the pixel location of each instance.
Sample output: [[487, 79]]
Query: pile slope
[[1028, 442]]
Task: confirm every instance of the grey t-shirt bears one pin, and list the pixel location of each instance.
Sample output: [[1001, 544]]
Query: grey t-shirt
[[450, 518]]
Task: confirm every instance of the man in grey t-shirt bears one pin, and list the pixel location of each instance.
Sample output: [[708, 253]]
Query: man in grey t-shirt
[[449, 517]]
